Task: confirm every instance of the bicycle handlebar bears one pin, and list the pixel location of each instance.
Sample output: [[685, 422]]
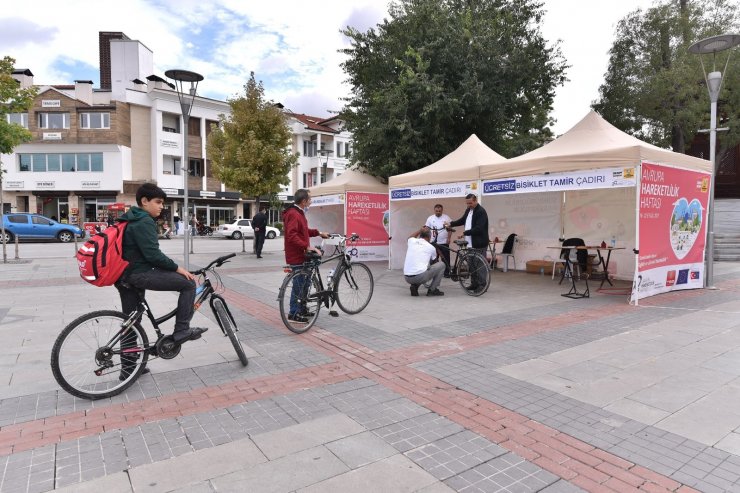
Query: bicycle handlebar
[[218, 263], [451, 230]]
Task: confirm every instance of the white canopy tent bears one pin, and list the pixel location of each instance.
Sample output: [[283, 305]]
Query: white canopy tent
[[446, 182], [585, 184], [362, 198]]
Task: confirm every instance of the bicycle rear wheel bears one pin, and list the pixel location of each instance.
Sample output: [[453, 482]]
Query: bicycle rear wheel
[[303, 288], [353, 288], [86, 367], [474, 273], [228, 325]]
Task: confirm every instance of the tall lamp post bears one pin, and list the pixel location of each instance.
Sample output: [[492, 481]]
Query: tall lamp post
[[325, 153], [712, 46], [186, 97], [2, 212]]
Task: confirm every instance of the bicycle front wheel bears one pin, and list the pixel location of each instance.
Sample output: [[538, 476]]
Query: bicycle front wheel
[[229, 327], [86, 365], [353, 288], [300, 301], [474, 273]]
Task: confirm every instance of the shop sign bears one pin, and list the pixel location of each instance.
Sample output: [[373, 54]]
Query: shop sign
[[51, 103], [171, 191], [443, 190], [204, 193], [74, 211], [45, 185], [52, 136], [13, 184], [87, 185], [560, 182], [337, 199], [169, 144]]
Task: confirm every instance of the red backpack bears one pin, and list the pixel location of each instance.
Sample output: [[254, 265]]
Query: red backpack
[[100, 259]]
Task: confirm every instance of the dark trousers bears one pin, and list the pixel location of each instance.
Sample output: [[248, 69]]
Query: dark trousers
[[161, 280], [259, 241], [301, 283], [479, 268], [445, 251]]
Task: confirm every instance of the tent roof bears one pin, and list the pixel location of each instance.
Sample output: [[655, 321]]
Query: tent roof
[[462, 164], [349, 181], [591, 144]]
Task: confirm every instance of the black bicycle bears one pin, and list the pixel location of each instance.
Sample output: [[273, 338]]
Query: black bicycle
[[102, 353], [302, 294], [470, 269]]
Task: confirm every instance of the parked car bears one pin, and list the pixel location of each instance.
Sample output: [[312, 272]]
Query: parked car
[[25, 225], [243, 227]]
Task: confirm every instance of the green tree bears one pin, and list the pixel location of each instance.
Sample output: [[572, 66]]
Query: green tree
[[437, 71], [13, 99], [654, 88], [250, 148]]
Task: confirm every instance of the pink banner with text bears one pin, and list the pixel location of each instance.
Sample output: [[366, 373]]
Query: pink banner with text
[[367, 215], [673, 213]]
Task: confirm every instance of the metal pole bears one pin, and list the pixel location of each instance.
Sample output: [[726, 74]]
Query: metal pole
[[186, 172], [16, 248], [710, 219], [2, 212]]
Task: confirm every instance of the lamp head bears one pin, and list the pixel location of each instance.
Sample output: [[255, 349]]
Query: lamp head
[[714, 82]]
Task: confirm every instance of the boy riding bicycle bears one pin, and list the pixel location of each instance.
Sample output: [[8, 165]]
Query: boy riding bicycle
[[149, 268]]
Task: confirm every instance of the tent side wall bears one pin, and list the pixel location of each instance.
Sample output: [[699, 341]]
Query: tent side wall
[[327, 218]]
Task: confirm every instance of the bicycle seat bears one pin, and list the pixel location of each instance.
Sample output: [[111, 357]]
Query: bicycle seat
[[131, 287], [461, 243]]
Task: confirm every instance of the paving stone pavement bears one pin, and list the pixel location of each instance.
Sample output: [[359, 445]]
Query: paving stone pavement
[[519, 390]]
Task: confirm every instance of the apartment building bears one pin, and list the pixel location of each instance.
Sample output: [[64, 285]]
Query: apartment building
[[323, 146], [92, 148]]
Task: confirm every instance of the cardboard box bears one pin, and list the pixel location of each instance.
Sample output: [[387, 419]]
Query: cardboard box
[[534, 266]]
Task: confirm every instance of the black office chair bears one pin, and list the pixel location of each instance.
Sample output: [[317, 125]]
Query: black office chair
[[575, 264], [508, 251]]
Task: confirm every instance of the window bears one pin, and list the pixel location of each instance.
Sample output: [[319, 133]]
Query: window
[[196, 167], [61, 162], [18, 219], [309, 148], [94, 120], [194, 127], [244, 222], [40, 220], [170, 123], [18, 118], [53, 120], [340, 149]]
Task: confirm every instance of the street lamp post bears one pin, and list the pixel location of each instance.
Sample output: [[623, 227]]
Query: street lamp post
[[2, 212], [712, 46], [325, 153], [186, 105]]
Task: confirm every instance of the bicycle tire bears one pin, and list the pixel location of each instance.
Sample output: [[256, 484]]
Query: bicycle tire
[[308, 303], [470, 264], [352, 277], [226, 321], [78, 384]]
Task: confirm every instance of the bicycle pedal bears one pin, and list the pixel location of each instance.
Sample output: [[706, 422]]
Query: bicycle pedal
[[333, 313]]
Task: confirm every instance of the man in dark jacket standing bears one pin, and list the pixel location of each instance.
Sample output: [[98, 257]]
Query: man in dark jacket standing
[[259, 224], [297, 244], [475, 221]]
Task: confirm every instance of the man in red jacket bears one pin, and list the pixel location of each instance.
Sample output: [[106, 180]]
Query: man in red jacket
[[297, 244]]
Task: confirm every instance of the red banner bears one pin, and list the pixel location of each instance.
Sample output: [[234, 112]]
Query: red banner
[[366, 216], [673, 212]]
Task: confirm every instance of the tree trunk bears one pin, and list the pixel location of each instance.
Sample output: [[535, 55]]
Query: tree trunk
[[678, 140]]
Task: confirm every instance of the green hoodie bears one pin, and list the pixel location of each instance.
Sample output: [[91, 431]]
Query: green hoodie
[[141, 244]]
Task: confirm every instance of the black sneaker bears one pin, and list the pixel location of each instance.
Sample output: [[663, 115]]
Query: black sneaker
[[435, 292], [193, 333], [298, 318], [126, 372], [414, 290]]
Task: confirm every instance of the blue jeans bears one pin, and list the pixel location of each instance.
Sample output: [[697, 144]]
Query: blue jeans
[[301, 283]]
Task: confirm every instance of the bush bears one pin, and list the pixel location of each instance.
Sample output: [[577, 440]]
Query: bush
[[279, 226]]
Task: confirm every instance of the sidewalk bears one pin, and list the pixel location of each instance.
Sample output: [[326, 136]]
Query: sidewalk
[[518, 390]]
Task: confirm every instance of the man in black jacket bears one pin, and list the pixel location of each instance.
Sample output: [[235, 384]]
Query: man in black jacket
[[259, 224], [475, 221]]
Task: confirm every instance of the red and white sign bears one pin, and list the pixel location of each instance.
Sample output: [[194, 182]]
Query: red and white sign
[[94, 227], [673, 213], [366, 215]]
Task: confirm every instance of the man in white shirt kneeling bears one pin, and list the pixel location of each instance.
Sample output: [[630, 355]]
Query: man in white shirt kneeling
[[417, 269]]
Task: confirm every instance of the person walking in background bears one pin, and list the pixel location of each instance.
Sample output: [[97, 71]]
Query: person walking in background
[[440, 236], [259, 224], [297, 245], [475, 220]]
